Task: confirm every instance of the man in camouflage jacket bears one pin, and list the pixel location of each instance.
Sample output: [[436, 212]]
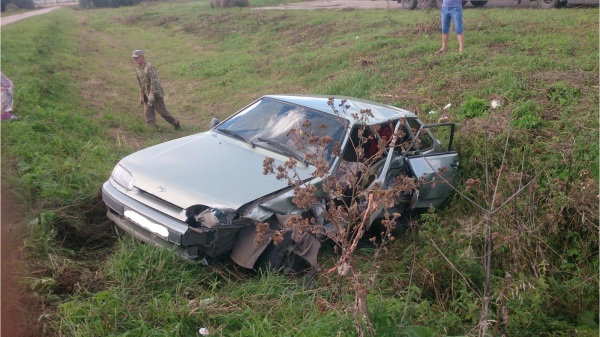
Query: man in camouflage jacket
[[151, 92]]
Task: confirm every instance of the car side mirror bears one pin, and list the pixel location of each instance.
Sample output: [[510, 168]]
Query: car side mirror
[[213, 122]]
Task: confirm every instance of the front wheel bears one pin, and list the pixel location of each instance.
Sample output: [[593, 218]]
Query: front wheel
[[279, 257], [547, 4], [409, 4], [561, 4], [478, 3]]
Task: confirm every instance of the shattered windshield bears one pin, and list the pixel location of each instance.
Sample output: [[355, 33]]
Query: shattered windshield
[[286, 128]]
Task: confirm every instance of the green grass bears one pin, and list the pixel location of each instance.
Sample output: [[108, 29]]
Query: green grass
[[75, 88]]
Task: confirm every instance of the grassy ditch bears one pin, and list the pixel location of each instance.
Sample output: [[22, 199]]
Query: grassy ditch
[[75, 88]]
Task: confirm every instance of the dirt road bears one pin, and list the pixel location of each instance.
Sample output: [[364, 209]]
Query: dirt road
[[16, 300], [338, 4], [15, 297], [394, 5], [13, 18]]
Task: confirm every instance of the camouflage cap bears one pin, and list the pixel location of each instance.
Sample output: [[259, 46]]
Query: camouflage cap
[[137, 53]]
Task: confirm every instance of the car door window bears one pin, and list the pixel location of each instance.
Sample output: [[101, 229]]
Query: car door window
[[424, 141]]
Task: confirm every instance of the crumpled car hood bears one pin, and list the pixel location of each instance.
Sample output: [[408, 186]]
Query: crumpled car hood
[[206, 169]]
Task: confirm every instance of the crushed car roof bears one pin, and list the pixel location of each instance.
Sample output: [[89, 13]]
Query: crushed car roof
[[381, 112]]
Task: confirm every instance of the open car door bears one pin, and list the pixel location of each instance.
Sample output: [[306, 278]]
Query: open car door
[[434, 162], [430, 158]]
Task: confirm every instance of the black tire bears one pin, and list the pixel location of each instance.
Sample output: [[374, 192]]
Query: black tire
[[274, 255], [271, 259], [401, 223], [409, 4], [547, 4], [561, 4], [277, 257], [479, 3]]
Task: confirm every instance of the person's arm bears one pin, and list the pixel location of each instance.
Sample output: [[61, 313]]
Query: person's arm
[[154, 84], [141, 99]]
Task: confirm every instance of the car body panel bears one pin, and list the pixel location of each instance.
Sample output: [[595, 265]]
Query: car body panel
[[159, 170], [435, 188]]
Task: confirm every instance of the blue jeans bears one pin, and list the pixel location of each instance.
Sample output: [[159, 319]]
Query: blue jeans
[[454, 14]]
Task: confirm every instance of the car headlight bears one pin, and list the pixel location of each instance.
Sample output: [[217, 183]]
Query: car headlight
[[123, 177]]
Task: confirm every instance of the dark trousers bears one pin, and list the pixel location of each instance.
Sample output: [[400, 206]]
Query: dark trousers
[[158, 106]]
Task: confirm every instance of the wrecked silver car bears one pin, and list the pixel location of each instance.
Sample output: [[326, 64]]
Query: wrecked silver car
[[204, 195]]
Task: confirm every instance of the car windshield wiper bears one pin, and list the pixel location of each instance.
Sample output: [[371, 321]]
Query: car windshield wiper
[[237, 135], [286, 150]]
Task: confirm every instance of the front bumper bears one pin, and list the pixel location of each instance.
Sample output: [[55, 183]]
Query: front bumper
[[149, 225]]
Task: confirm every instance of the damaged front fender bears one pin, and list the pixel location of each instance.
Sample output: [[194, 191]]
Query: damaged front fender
[[246, 252]]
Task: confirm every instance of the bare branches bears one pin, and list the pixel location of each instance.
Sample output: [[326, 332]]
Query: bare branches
[[349, 197]]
